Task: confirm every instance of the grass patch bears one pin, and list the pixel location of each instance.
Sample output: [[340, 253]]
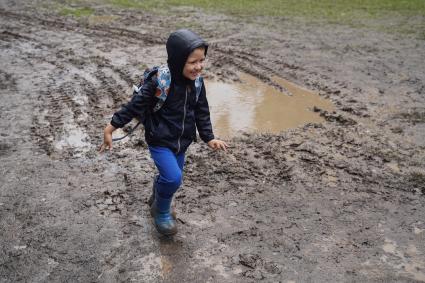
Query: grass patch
[[386, 15], [130, 3], [77, 12], [336, 10], [331, 9], [395, 16]]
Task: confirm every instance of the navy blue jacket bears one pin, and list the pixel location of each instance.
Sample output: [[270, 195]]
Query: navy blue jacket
[[174, 125]]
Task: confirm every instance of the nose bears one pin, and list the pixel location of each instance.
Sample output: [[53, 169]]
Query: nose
[[199, 65]]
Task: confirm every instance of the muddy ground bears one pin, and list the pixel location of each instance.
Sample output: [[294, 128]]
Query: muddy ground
[[341, 201]]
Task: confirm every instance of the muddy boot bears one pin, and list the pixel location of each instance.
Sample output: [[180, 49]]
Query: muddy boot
[[161, 212], [152, 197]]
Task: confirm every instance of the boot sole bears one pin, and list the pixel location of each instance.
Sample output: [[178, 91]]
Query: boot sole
[[166, 234]]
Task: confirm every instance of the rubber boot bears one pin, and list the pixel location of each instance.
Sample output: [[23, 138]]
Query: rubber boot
[[152, 197], [160, 211]]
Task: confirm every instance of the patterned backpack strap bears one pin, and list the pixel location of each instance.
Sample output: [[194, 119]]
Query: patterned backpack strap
[[164, 82], [163, 76]]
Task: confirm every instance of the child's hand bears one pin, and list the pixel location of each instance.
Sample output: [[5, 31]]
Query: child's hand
[[218, 144], [107, 138]]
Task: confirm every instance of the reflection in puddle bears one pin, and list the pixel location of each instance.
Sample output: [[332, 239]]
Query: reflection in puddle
[[74, 138], [253, 106]]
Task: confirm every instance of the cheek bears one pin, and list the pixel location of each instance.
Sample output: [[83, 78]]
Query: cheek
[[185, 68]]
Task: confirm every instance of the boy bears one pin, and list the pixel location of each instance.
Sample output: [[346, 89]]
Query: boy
[[170, 129]]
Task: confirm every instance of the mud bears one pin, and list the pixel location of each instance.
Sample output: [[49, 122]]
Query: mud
[[336, 201]]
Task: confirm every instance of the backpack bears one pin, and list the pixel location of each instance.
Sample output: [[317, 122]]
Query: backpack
[[163, 77]]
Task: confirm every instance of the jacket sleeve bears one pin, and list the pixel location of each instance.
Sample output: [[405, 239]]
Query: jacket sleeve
[[202, 117], [138, 106]]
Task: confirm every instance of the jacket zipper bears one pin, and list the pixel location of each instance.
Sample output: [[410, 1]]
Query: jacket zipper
[[184, 118]]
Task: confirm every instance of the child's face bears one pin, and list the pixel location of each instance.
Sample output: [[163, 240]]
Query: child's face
[[194, 64]]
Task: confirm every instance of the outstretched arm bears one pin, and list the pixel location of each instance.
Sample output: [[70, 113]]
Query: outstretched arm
[[203, 123], [136, 108]]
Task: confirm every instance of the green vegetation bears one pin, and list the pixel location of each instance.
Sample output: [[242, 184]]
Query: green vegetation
[[330, 9], [395, 16], [132, 3], [77, 12]]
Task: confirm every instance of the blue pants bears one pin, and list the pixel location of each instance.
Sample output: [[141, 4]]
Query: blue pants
[[170, 167]]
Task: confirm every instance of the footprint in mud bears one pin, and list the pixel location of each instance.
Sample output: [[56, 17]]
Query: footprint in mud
[[258, 268], [5, 149], [112, 202]]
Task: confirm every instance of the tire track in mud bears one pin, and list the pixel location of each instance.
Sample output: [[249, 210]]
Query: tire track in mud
[[64, 111], [239, 58], [248, 63], [97, 30], [30, 60], [65, 88], [245, 62], [47, 127], [8, 36]]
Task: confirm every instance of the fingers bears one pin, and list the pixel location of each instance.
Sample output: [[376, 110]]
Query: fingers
[[221, 145], [225, 146], [104, 146]]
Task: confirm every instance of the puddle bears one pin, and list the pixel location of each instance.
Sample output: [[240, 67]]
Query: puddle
[[74, 138], [253, 106]]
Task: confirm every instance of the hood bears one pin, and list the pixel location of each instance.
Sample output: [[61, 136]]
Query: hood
[[179, 46]]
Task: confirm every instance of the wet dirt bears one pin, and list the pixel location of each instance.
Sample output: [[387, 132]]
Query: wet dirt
[[337, 201], [252, 106]]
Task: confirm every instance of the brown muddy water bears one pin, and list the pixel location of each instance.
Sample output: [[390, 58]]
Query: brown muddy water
[[254, 106]]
